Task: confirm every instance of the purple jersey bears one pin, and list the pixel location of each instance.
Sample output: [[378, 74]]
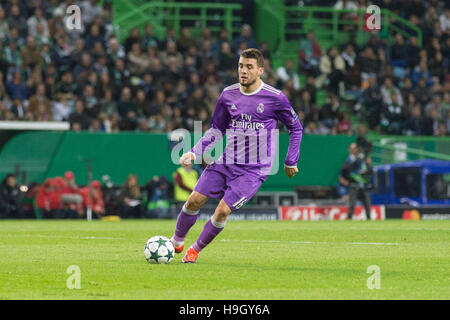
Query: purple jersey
[[250, 124]]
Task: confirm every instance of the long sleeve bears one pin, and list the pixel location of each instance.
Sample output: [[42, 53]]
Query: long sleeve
[[219, 124], [289, 118]]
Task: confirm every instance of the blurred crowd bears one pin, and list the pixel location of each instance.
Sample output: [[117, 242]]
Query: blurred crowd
[[61, 198], [147, 84], [398, 88]]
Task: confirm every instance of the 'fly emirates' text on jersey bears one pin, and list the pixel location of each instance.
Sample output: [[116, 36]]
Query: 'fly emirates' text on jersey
[[249, 122]]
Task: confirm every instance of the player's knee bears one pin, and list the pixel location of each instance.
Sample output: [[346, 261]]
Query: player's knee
[[221, 216], [222, 212], [193, 202]]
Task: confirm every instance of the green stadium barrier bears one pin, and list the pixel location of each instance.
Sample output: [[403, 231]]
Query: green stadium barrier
[[49, 154], [31, 151]]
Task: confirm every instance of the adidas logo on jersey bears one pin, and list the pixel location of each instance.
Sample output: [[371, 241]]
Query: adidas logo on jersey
[[233, 107]]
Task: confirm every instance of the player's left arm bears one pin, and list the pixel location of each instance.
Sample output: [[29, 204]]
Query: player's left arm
[[286, 114]]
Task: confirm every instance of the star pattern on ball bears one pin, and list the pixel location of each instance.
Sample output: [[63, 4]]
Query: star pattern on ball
[[161, 242], [169, 255], [154, 255]]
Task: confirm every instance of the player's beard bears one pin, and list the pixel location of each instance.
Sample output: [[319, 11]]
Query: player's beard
[[248, 83]]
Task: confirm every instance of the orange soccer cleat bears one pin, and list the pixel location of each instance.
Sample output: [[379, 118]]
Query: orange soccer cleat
[[190, 256], [179, 249]]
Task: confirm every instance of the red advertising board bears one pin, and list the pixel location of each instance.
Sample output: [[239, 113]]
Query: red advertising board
[[329, 213]]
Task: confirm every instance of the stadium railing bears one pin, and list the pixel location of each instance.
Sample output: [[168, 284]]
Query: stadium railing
[[293, 23], [394, 149], [164, 15]]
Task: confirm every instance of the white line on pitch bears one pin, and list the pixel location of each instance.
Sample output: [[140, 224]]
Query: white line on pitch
[[62, 237], [317, 242]]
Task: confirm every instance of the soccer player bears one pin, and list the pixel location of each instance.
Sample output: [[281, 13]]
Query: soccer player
[[251, 109]]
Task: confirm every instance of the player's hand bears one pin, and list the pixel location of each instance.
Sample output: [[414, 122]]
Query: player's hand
[[186, 159], [290, 172]]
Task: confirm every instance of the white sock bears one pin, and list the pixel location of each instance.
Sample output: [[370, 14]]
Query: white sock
[[176, 243]]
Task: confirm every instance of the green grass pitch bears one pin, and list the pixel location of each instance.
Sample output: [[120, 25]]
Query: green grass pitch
[[249, 260]]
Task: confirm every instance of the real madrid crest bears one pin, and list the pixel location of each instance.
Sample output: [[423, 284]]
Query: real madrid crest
[[260, 108]]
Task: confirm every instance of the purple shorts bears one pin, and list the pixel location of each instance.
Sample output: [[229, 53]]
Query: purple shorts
[[218, 181]]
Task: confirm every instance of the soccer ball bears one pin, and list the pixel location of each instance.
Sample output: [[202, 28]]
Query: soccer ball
[[159, 249]]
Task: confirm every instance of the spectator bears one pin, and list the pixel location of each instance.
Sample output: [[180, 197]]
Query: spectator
[[349, 56], [287, 72], [388, 89], [435, 104], [442, 129], [226, 57], [369, 64], [92, 38], [4, 27], [432, 123], [31, 56], [11, 56], [40, 98], [329, 112], [305, 104], [137, 62], [16, 20], [422, 72], [444, 20], [91, 9], [71, 198], [66, 88], [126, 108], [245, 37], [91, 104], [149, 39], [171, 51], [16, 88], [185, 40], [412, 53], [353, 176], [398, 53], [158, 198], [48, 201], [34, 21], [372, 103], [185, 179], [133, 37], [131, 198], [415, 122], [421, 92], [10, 198], [79, 116], [82, 68], [309, 53], [216, 46], [332, 68], [93, 198], [393, 116], [114, 51]]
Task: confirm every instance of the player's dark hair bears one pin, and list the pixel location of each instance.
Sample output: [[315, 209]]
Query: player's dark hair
[[253, 53]]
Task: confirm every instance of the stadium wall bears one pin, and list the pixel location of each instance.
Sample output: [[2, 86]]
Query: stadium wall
[[50, 154]]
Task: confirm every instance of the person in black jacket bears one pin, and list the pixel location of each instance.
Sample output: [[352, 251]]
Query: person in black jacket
[[10, 202], [354, 176]]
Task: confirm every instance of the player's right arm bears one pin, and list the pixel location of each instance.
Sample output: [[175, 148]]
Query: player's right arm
[[219, 124]]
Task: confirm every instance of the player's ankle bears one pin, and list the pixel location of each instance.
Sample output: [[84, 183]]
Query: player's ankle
[[176, 243]]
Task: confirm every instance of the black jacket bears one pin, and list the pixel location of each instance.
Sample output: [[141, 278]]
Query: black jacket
[[10, 202]]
